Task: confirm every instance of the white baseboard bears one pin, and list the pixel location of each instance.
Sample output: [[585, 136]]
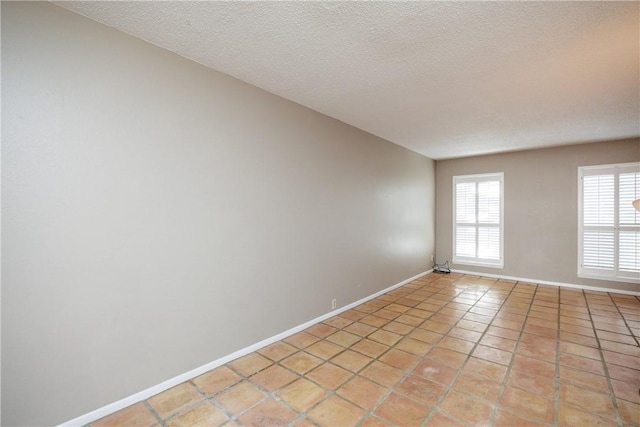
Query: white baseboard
[[546, 282], [172, 382]]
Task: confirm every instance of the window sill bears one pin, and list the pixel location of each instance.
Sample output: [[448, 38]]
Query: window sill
[[477, 263], [609, 278]]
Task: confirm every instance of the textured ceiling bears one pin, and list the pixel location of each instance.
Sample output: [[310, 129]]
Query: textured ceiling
[[445, 79]]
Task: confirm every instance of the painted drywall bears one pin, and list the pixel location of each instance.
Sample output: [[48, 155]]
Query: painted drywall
[[540, 208], [158, 215]]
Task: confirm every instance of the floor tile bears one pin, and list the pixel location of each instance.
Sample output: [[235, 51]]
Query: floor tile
[[447, 357], [217, 380], [369, 348], [134, 415], [277, 351], [324, 350], [343, 339], [629, 350], [336, 411], [382, 373], [570, 417], [425, 336], [402, 411], [587, 400], [440, 419], [338, 322], [528, 404], [584, 379], [400, 359], [421, 389], [240, 397], [301, 340], [320, 330], [466, 408], [203, 414], [456, 344], [398, 328], [274, 378], [171, 401], [268, 413], [621, 359], [413, 346], [302, 394], [385, 337], [464, 334], [493, 354], [507, 419], [612, 336], [301, 362], [329, 375], [479, 386], [362, 392], [629, 412], [623, 374], [435, 371], [351, 360], [578, 339], [250, 364], [579, 350], [409, 320], [583, 363], [354, 315], [375, 321], [542, 385], [626, 390], [360, 329]]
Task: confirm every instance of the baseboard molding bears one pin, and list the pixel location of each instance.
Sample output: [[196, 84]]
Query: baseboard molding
[[172, 382], [546, 282]]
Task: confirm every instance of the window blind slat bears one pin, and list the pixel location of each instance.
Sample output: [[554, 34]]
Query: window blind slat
[[628, 190], [466, 202], [629, 251], [598, 249], [599, 199]]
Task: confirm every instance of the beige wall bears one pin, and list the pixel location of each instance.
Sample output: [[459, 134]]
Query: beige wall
[[540, 208], [158, 215]]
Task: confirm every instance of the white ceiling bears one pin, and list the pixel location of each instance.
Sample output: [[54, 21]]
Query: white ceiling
[[445, 79]]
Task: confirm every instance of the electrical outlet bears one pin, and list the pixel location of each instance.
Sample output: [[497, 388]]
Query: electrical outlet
[[431, 257], [333, 304]]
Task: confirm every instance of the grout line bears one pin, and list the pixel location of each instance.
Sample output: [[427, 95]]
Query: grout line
[[503, 386], [556, 409], [153, 411], [604, 361]]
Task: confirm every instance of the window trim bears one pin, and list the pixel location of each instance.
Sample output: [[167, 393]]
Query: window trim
[[595, 273], [495, 176]]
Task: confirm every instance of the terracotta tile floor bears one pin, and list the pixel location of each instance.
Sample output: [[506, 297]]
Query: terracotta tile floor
[[441, 351]]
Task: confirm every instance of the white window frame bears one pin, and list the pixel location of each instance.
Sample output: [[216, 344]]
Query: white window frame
[[476, 261], [613, 274]]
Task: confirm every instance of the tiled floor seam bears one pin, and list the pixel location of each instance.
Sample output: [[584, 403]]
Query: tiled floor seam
[[449, 387], [153, 411], [494, 405], [391, 389], [505, 381], [605, 365], [624, 319], [556, 397]]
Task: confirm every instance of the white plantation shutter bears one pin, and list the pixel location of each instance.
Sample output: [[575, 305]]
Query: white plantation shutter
[[609, 225], [478, 219]]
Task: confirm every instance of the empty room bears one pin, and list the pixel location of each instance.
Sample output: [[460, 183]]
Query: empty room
[[317, 213]]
